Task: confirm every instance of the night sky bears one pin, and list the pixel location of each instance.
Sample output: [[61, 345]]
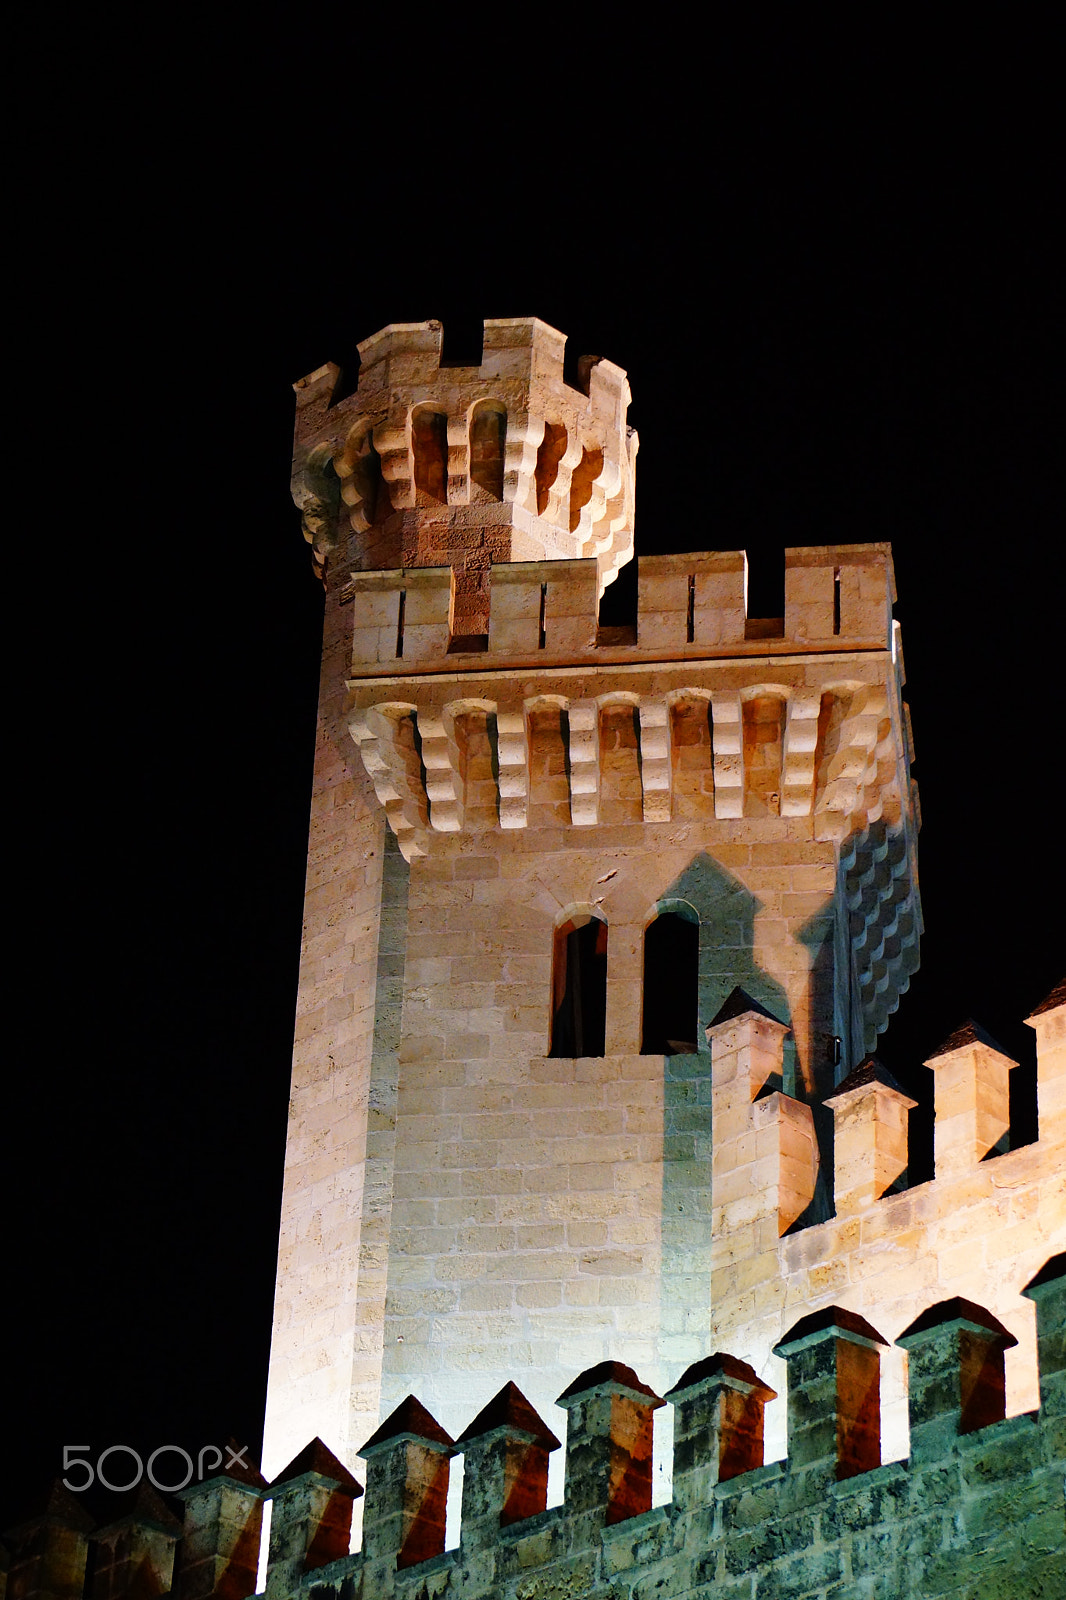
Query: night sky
[[833, 294]]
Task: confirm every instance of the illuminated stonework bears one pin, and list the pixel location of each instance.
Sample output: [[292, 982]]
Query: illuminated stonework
[[522, 1202]]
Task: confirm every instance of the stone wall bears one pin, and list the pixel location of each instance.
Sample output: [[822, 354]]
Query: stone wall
[[318, 1348], [975, 1512]]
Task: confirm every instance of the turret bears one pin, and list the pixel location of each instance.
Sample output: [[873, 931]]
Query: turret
[[466, 467]]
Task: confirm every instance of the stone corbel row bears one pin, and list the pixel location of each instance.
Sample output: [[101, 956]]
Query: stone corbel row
[[415, 760]]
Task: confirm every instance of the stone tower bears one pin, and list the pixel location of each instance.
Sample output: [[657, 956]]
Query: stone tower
[[544, 855]]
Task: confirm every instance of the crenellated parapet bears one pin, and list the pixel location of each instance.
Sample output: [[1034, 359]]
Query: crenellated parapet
[[707, 719], [975, 1232], [544, 613], [467, 465], [978, 1493], [828, 1517], [785, 733]]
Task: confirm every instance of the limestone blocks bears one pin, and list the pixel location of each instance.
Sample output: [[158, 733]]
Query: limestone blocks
[[1049, 1024], [688, 607], [870, 1137], [828, 1508], [839, 590], [738, 769], [698, 599], [971, 1097], [765, 1155], [543, 605], [552, 465], [811, 740]]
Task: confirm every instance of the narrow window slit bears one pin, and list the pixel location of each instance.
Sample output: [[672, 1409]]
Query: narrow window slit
[[579, 988], [836, 601], [690, 625], [543, 608], [670, 1021], [399, 623]]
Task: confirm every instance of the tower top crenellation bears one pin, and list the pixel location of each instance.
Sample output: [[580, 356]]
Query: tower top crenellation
[[467, 466]]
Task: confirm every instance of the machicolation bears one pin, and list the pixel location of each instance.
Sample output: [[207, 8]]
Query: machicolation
[[588, 1138]]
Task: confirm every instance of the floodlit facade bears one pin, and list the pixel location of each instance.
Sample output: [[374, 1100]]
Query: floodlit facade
[[601, 928]]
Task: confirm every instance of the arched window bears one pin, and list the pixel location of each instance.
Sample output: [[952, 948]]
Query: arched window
[[671, 984], [579, 987]]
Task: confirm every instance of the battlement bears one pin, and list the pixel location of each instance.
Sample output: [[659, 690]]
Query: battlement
[[705, 717], [977, 1229], [582, 1084], [690, 607], [979, 1493], [504, 461]]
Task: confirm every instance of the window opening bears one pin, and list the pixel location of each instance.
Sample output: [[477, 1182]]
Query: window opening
[[579, 988], [690, 626], [543, 609], [399, 622], [836, 601], [671, 986]]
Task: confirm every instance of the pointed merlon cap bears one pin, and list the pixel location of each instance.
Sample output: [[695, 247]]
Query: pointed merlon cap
[[955, 1313], [1051, 1272], [832, 1322], [1051, 1002], [410, 1421], [510, 1412], [239, 1470], [970, 1033], [232, 1469], [316, 1461], [148, 1511], [738, 1004], [608, 1377], [724, 1371], [59, 1508], [869, 1073]]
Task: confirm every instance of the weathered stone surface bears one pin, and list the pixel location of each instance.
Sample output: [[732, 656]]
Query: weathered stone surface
[[466, 1207]]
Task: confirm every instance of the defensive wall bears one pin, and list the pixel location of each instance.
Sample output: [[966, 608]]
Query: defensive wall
[[975, 1512], [504, 1169], [468, 1201]]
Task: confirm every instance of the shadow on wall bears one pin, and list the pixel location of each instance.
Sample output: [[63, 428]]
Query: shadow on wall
[[702, 939], [726, 911]]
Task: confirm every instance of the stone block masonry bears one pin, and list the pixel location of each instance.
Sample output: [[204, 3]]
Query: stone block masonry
[[473, 1196], [601, 929], [974, 1513]]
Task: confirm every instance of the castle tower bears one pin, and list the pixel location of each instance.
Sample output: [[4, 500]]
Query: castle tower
[[544, 857]]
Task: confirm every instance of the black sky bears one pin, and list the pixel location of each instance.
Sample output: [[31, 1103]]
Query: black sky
[[831, 278]]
